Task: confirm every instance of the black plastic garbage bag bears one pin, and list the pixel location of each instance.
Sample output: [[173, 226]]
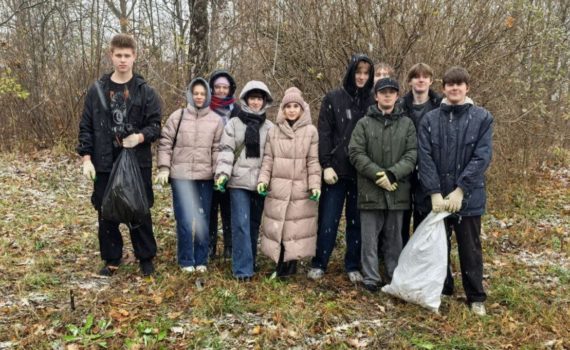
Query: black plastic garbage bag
[[125, 196]]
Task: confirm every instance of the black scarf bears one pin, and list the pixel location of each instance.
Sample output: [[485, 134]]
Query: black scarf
[[251, 140]]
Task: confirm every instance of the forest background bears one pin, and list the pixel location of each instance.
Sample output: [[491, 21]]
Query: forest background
[[518, 54]]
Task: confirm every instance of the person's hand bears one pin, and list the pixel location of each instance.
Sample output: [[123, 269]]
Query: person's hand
[[455, 199], [89, 170], [384, 182], [438, 204], [330, 176], [315, 194], [132, 140], [220, 184], [262, 189], [162, 177]]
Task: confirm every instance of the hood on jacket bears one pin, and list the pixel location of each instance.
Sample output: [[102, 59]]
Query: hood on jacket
[[468, 101], [349, 81], [255, 85], [375, 112], [456, 109], [219, 73], [189, 98], [293, 94]]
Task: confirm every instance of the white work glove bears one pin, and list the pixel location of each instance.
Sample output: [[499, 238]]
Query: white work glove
[[89, 169], [162, 177], [132, 140], [455, 199], [384, 182], [438, 204], [330, 176]]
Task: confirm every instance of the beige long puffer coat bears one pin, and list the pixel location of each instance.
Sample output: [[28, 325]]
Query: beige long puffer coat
[[291, 168]]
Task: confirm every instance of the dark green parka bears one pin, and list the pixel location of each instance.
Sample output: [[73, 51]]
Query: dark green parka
[[383, 143]]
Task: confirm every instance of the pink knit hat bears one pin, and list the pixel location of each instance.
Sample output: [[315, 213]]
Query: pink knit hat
[[293, 94]]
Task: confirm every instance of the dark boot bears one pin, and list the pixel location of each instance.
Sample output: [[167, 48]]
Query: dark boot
[[147, 267], [227, 252]]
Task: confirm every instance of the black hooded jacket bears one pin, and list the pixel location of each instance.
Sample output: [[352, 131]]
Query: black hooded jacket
[[96, 137], [407, 104], [340, 110], [420, 199]]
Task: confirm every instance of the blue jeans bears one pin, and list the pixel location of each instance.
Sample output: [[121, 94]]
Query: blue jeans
[[247, 207], [192, 202], [330, 209]]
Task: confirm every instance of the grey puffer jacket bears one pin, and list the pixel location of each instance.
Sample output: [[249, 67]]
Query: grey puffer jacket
[[245, 172]]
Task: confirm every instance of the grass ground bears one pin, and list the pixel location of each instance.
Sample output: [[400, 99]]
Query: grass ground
[[51, 297]]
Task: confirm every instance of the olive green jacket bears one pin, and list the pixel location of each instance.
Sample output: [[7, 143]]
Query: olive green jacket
[[383, 143]]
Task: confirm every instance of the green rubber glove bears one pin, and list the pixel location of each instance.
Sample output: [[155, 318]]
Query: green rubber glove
[[220, 184], [262, 189], [315, 195]]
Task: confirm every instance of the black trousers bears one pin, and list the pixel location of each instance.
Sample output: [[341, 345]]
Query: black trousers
[[467, 231], [406, 222], [110, 240], [221, 200]]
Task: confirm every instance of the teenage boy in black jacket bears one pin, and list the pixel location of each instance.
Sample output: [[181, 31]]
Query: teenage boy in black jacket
[[340, 110], [121, 111], [416, 103]]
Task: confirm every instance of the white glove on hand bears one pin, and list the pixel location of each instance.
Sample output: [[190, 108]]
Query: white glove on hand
[[132, 140], [384, 182], [455, 200], [330, 176], [162, 177], [438, 204], [89, 169]]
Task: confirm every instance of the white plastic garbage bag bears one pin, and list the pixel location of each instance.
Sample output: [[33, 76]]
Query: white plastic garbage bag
[[422, 266]]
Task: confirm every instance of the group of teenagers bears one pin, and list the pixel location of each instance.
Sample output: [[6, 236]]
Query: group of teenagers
[[383, 158]]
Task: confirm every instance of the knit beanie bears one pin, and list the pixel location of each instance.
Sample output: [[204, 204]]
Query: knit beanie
[[293, 94], [222, 81]]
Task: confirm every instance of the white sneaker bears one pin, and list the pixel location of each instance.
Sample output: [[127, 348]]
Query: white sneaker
[[201, 268], [315, 273], [478, 309], [188, 269], [355, 276]]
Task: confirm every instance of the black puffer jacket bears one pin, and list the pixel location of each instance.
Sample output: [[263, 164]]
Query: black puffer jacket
[[95, 128], [454, 150], [340, 110], [407, 104], [419, 198]]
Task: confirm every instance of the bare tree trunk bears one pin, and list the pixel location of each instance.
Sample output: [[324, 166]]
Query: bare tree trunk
[[198, 49]]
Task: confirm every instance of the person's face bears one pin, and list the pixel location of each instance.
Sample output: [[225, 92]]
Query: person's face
[[292, 111], [221, 90], [380, 74], [255, 103], [421, 83], [123, 59], [386, 98], [455, 93], [199, 95], [362, 74]]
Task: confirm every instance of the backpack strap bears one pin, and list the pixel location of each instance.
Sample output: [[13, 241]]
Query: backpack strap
[[178, 128]]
